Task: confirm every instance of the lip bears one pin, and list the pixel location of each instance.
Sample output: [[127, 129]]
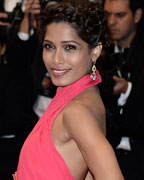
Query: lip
[[59, 72], [113, 31]]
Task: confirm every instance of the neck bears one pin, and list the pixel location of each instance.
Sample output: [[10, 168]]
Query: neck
[[125, 43]]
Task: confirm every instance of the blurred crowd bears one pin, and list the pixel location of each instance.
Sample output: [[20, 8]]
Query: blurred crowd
[[26, 88], [122, 69], [25, 85]]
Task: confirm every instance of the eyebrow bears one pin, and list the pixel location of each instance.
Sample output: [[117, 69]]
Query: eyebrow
[[70, 41], [119, 12]]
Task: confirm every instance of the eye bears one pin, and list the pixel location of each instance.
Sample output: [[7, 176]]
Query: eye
[[48, 46], [108, 14], [120, 15], [70, 47]]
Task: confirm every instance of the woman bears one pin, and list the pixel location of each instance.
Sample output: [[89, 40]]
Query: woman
[[69, 140]]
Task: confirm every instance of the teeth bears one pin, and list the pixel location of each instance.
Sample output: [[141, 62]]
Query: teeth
[[59, 71]]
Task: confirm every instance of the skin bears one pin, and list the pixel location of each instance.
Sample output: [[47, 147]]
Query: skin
[[122, 23], [3, 48], [4, 15], [78, 131], [67, 57], [32, 7]]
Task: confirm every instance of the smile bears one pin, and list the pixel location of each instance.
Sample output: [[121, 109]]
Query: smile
[[57, 72]]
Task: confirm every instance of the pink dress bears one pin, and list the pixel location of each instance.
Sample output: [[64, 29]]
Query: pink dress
[[39, 159]]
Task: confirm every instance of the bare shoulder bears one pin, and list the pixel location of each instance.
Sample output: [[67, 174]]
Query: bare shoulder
[[85, 111], [84, 121]]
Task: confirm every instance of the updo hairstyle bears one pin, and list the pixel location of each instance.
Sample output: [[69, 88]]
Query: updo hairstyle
[[87, 19]]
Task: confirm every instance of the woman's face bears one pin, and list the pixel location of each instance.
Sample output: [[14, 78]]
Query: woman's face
[[65, 54]]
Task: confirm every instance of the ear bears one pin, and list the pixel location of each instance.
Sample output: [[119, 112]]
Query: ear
[[96, 52], [138, 15]]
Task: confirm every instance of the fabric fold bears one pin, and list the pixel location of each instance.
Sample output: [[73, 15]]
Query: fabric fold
[[39, 159]]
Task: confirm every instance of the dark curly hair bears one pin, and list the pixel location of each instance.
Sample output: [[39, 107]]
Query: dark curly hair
[[88, 19]]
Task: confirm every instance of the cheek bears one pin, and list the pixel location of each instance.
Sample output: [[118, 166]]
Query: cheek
[[125, 29], [126, 23], [82, 62], [87, 61], [46, 58]]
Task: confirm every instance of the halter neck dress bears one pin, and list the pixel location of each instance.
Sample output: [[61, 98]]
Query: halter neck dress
[[39, 159]]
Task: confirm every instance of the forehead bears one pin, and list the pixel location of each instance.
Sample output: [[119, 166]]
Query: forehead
[[60, 30], [115, 6]]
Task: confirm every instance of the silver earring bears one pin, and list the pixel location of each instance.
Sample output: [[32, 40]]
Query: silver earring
[[93, 74]]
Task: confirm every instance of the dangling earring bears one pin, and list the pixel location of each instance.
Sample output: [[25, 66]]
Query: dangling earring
[[93, 74]]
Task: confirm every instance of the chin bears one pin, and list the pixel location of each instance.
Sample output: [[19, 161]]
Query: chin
[[114, 37], [62, 83], [59, 83]]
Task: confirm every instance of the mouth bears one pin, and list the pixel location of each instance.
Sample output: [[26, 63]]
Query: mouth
[[113, 31], [59, 72]]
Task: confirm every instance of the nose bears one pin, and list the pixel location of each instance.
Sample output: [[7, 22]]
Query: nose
[[111, 20], [58, 57]]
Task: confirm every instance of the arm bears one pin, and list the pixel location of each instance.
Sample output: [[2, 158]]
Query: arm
[[122, 87], [84, 127], [32, 8], [4, 16], [22, 46]]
